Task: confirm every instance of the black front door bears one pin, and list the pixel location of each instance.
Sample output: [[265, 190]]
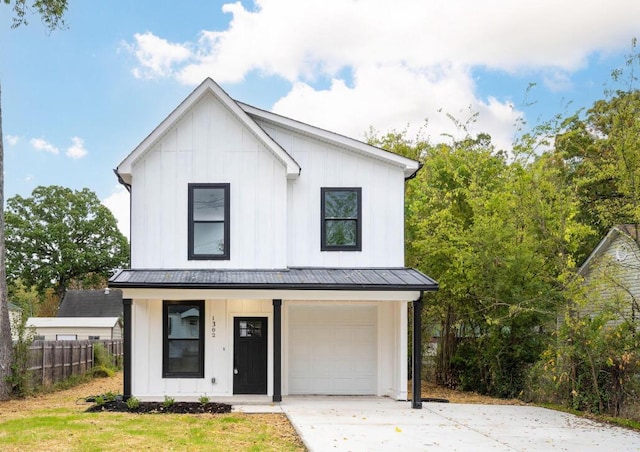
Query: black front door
[[250, 355]]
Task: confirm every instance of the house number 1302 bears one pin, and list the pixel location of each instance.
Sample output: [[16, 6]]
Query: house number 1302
[[213, 326]]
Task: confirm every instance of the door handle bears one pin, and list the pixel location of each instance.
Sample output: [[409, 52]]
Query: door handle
[[235, 371]]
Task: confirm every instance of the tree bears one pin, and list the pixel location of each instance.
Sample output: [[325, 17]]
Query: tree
[[58, 236], [602, 153], [498, 234], [51, 12]]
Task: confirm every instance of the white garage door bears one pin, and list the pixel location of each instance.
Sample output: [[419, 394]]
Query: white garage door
[[332, 349]]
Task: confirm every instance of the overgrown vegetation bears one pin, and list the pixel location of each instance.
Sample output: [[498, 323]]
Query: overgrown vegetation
[[20, 379], [504, 232]]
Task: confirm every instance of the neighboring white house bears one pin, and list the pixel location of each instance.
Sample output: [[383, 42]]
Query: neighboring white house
[[267, 257], [612, 273], [75, 328]]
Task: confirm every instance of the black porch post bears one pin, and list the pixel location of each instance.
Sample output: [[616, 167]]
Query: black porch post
[[126, 371], [416, 401], [277, 350]]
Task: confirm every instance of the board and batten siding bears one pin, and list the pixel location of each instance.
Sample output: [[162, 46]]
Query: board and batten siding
[[148, 383], [208, 145], [327, 165]]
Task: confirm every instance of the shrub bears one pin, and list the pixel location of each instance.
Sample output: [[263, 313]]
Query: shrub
[[203, 399], [168, 402], [133, 403], [20, 378], [103, 357], [592, 367], [101, 372]]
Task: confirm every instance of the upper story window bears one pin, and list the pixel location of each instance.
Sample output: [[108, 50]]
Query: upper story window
[[208, 221], [341, 219]]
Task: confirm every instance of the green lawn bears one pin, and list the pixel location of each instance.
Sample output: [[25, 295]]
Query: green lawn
[[56, 429], [57, 421]]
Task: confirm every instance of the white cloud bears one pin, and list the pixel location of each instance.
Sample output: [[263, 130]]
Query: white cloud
[[408, 58], [156, 55], [407, 100], [12, 140], [77, 149], [118, 203], [42, 145]]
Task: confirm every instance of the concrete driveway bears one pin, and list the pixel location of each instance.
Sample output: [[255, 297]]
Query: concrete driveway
[[379, 424]]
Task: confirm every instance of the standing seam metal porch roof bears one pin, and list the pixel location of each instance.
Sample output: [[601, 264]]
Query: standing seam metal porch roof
[[380, 279]]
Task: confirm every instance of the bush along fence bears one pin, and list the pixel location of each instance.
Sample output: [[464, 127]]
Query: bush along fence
[[49, 362]]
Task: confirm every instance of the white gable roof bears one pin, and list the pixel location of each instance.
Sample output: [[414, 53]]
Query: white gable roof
[[72, 322], [409, 166], [207, 86], [605, 243], [247, 115]]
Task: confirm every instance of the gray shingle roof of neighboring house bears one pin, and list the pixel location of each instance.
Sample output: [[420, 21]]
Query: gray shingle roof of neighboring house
[[382, 279], [91, 303]]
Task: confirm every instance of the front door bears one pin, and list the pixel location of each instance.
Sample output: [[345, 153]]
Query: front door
[[250, 355]]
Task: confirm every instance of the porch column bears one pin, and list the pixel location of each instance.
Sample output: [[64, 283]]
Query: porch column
[[416, 400], [277, 350], [126, 365]]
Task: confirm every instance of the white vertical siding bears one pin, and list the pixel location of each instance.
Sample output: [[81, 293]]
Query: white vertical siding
[[324, 165], [208, 145], [147, 380]]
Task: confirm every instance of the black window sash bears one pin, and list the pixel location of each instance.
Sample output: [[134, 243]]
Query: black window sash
[[324, 245], [166, 331]]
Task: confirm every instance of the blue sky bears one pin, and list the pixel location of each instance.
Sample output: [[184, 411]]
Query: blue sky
[[75, 102]]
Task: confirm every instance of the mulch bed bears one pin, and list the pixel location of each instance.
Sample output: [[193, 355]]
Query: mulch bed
[[161, 407]]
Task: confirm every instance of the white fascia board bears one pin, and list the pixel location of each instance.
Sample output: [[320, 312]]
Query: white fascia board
[[409, 166], [124, 169], [602, 246], [312, 295]]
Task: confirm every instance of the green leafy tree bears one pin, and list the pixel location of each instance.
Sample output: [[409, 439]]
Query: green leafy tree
[[58, 236], [498, 234], [51, 12], [602, 152]]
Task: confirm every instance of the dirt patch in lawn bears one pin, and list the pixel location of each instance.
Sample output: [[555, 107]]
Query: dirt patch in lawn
[[432, 391]]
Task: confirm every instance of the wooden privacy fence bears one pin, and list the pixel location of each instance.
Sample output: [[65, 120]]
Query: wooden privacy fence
[[53, 361]]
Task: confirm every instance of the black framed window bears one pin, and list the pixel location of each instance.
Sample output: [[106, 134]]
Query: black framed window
[[183, 339], [209, 221], [341, 219]]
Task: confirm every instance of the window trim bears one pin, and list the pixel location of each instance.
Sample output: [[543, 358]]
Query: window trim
[[227, 208], [324, 246], [166, 340]]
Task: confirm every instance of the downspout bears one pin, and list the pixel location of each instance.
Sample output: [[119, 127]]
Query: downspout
[[128, 188], [416, 398]]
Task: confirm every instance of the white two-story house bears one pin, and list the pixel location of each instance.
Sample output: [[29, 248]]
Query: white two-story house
[[267, 257]]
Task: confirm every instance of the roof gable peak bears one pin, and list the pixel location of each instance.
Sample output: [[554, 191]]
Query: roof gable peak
[[208, 86]]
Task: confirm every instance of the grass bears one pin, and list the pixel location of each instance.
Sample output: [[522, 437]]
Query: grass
[[58, 422], [620, 421], [66, 430]]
